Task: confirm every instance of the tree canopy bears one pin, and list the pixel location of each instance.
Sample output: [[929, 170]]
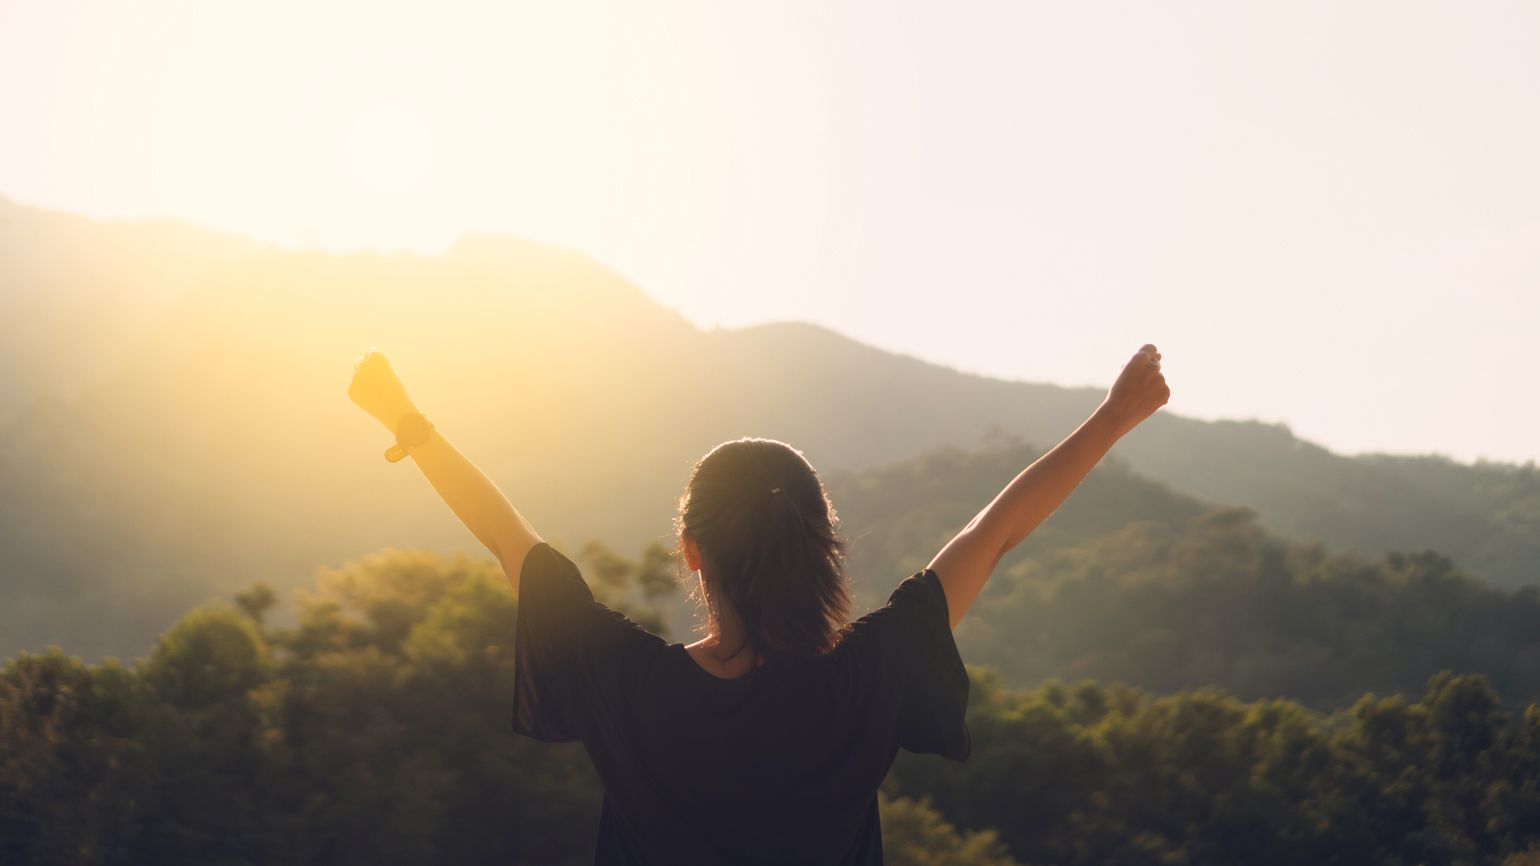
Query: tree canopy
[[375, 729]]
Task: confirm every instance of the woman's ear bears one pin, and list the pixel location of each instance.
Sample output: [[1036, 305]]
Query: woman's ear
[[691, 551]]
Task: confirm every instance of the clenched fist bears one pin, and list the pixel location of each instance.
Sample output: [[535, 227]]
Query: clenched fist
[[1139, 390], [378, 390]]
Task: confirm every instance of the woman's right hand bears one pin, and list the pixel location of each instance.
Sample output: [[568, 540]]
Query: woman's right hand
[[1140, 390]]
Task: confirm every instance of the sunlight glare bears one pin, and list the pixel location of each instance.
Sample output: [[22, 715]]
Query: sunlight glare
[[388, 148]]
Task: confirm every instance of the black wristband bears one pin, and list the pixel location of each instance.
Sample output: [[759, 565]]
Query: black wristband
[[412, 430]]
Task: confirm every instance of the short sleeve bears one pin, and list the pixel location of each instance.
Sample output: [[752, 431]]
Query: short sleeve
[[913, 630], [570, 650]]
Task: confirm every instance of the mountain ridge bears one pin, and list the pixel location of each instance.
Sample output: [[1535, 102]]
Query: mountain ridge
[[222, 449]]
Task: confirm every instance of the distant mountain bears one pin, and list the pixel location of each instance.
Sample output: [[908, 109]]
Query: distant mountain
[[898, 515], [1132, 582], [212, 444], [77, 296]]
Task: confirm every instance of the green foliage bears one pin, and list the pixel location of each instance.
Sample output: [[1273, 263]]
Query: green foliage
[[376, 731], [210, 654], [915, 834], [1530, 857], [899, 515], [75, 754], [1092, 774], [639, 587], [256, 601], [1215, 600], [1132, 582]]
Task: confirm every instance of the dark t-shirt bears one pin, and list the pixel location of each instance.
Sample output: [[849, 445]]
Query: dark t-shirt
[[772, 767]]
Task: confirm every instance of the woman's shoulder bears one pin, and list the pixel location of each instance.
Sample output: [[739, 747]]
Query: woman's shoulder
[[918, 601]]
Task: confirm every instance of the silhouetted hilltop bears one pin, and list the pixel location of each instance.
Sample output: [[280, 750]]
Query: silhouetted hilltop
[[214, 445]]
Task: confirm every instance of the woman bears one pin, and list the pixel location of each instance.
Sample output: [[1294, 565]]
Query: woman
[[765, 741]]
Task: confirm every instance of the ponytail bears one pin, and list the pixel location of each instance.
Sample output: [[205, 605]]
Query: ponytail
[[768, 538]]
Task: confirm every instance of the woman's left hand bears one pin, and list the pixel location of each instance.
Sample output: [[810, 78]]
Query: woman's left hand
[[378, 390]]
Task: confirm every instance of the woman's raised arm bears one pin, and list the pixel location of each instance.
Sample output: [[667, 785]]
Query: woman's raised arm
[[468, 492], [966, 562]]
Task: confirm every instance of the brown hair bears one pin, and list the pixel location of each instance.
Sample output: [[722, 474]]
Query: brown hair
[[776, 557]]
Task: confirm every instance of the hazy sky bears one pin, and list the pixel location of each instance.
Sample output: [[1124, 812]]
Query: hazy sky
[[1324, 213]]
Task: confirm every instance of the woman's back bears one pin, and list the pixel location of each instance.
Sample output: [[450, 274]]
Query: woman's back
[[783, 766], [779, 765]]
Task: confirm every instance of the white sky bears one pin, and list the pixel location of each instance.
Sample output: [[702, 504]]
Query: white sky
[[1324, 213]]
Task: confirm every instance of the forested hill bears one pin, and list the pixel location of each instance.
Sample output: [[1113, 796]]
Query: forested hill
[[1134, 583], [376, 731], [210, 443]]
